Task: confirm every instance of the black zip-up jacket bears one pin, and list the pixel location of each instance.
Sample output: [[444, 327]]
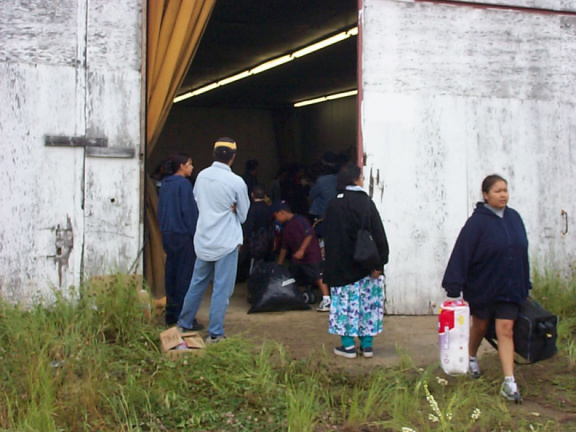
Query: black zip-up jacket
[[345, 215]]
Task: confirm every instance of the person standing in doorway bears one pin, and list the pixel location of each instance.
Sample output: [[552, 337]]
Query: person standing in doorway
[[357, 308], [223, 205], [489, 266], [177, 216]]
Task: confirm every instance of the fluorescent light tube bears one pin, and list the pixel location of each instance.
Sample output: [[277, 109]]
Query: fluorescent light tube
[[204, 89], [271, 64], [234, 78], [320, 45], [274, 63], [326, 98]]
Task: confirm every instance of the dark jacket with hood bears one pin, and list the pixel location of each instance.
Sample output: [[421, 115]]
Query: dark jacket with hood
[[177, 209], [345, 215], [489, 262]]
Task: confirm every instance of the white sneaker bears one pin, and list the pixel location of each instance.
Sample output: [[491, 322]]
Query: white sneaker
[[509, 390], [214, 339], [474, 368], [324, 305]]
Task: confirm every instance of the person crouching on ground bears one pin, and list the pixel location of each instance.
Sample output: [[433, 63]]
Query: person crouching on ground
[[489, 266], [298, 237], [357, 292], [223, 204]]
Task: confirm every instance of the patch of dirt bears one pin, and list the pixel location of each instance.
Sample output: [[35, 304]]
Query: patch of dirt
[[306, 332]]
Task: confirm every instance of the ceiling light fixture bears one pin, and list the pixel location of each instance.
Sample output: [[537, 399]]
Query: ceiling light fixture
[[326, 98], [271, 64]]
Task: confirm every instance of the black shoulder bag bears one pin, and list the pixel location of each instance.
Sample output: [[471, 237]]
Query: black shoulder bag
[[365, 250]]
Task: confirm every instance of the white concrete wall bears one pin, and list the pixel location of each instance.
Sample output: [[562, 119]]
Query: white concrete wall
[[451, 94], [67, 68]]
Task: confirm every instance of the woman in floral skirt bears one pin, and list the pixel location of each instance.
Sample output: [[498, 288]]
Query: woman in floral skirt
[[357, 292]]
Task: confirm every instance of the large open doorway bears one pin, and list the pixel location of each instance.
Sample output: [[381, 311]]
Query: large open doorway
[[258, 111]]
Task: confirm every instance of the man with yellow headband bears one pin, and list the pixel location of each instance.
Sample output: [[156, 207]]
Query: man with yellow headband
[[223, 204]]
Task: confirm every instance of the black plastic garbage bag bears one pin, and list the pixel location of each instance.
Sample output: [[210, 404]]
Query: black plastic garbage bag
[[271, 288]]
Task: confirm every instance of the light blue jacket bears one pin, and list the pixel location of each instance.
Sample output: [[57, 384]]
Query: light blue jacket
[[219, 228]]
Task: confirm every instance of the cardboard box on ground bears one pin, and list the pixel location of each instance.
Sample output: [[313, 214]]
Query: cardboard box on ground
[[171, 339]]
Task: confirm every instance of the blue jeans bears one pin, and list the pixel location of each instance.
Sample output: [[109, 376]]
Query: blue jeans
[[223, 272]]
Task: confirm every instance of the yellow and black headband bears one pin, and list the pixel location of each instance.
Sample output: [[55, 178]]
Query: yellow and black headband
[[228, 144]]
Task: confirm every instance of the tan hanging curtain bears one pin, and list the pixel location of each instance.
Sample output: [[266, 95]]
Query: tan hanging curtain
[[175, 28]]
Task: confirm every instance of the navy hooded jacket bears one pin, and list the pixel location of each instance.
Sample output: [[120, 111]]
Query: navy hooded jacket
[[177, 209], [489, 262]]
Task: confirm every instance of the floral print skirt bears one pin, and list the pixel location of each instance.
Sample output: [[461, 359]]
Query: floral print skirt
[[357, 309]]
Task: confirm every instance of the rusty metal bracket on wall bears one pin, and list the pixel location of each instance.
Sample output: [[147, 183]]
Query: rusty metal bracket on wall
[[95, 147], [71, 141], [64, 244]]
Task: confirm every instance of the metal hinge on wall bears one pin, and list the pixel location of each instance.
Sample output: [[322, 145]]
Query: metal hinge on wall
[[64, 244], [95, 147]]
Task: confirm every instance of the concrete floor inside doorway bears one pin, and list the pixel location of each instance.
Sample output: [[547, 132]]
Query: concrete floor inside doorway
[[306, 332]]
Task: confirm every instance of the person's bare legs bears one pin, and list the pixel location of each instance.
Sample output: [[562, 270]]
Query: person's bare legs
[[323, 288], [478, 330], [505, 335], [324, 305]]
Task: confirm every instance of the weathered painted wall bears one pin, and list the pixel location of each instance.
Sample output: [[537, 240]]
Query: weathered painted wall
[[555, 5], [450, 95], [68, 68]]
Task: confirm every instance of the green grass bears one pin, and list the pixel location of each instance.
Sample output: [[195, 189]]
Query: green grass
[[94, 364]]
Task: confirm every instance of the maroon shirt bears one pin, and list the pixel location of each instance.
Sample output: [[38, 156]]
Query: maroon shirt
[[293, 234]]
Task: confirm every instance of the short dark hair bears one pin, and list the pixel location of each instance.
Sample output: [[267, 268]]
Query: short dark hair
[[348, 175], [223, 154], [258, 191], [490, 180]]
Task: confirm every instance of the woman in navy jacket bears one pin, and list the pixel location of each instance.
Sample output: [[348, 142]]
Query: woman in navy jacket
[[489, 266], [177, 216]]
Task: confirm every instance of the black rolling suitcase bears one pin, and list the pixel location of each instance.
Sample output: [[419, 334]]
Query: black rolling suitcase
[[535, 332]]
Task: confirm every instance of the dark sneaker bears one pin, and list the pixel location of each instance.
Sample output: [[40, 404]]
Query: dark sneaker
[[367, 352], [474, 368], [348, 353], [509, 390], [195, 327], [215, 339]]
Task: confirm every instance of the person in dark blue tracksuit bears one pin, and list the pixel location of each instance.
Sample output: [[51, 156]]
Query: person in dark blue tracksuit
[[177, 216], [489, 266]]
